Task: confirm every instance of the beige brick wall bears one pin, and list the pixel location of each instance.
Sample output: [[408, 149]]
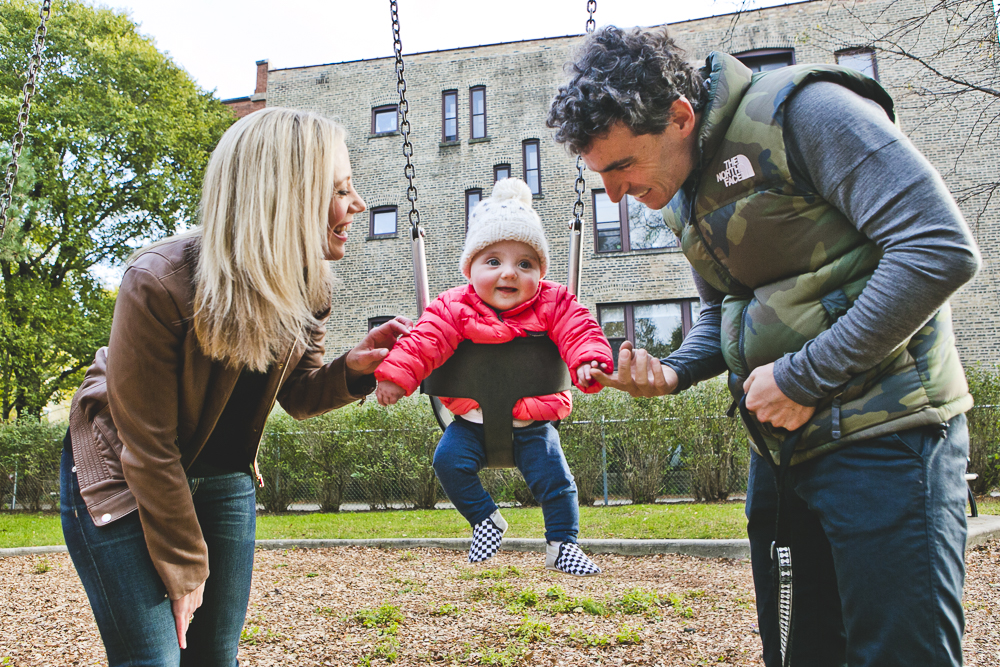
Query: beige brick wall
[[376, 276]]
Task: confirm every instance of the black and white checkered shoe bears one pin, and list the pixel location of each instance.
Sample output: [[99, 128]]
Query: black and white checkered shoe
[[569, 558], [486, 538]]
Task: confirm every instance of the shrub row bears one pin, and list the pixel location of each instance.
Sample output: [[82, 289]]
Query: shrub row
[[381, 457]]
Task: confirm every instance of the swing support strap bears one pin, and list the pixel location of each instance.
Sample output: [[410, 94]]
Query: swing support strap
[[17, 144], [781, 548]]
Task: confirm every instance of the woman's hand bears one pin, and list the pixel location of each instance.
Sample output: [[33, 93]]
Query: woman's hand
[[184, 609], [373, 348]]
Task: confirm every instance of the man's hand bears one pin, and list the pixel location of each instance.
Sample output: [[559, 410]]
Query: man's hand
[[584, 377], [184, 609], [647, 377], [388, 392], [770, 405], [373, 348]]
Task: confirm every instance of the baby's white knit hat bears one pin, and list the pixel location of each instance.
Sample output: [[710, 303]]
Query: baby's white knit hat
[[506, 215]]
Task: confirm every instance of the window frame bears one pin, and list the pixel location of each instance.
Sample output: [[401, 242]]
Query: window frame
[[761, 54], [472, 115], [524, 163], [383, 109], [445, 94], [371, 222], [498, 167], [622, 216], [468, 209], [623, 226], [857, 50], [687, 319], [379, 320]]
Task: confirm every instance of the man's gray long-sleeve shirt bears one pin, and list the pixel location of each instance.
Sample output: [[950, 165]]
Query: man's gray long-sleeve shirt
[[847, 150]]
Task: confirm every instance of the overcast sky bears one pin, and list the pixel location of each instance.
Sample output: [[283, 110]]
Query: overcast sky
[[218, 41]]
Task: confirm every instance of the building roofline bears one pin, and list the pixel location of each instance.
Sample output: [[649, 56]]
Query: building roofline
[[523, 41], [233, 100]]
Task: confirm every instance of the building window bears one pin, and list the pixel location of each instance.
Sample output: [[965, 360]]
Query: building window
[[477, 108], [500, 172], [764, 60], [860, 60], [472, 197], [385, 119], [449, 115], [657, 327], [379, 321], [628, 225], [383, 222], [532, 170]]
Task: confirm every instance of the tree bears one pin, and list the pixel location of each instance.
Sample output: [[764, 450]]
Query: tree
[[118, 140], [950, 51]]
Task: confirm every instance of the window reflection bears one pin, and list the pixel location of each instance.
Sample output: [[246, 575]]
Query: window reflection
[[646, 228], [659, 328]]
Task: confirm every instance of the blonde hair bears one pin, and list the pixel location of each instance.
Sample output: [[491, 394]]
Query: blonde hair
[[261, 271]]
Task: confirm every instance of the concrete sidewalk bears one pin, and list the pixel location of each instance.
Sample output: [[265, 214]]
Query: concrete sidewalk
[[981, 529]]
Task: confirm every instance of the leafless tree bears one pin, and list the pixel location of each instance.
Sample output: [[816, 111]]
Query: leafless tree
[[950, 53]]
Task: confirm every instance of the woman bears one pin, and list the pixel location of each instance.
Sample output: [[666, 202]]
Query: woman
[[210, 328]]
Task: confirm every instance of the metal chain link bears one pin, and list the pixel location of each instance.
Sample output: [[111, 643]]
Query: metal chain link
[[22, 117], [580, 186], [404, 125]]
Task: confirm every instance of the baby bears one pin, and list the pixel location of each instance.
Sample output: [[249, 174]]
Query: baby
[[505, 258]]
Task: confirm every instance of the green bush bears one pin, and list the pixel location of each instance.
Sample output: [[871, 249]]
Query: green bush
[[282, 461], [583, 442], [30, 451], [331, 452], [984, 427], [641, 442], [714, 447]]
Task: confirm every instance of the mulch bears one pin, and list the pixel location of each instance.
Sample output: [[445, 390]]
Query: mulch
[[309, 607]]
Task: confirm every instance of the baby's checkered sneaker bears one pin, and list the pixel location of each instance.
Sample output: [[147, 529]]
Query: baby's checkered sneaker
[[486, 538], [567, 557]]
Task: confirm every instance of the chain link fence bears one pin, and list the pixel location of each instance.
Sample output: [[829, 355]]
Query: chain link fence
[[620, 450]]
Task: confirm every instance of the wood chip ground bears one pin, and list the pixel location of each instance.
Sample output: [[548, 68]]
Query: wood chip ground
[[336, 607]]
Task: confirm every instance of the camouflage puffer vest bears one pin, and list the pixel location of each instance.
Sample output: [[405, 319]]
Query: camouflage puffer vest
[[791, 264]]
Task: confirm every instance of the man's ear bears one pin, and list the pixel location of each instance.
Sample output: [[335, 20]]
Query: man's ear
[[683, 117]]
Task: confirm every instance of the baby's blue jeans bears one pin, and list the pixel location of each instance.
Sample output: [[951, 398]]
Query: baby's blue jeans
[[460, 455]]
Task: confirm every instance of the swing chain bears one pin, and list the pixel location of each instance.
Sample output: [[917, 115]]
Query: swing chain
[[22, 117], [404, 125], [580, 186]]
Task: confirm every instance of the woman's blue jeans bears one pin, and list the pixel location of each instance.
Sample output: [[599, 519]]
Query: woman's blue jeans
[[878, 545], [127, 595], [460, 455]]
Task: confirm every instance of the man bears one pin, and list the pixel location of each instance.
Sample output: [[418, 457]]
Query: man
[[824, 248]]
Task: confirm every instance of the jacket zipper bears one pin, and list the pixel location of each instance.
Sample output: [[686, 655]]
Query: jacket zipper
[[743, 328], [260, 429]]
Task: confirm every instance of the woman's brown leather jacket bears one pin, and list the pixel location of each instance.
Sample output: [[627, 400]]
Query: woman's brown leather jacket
[[151, 399]]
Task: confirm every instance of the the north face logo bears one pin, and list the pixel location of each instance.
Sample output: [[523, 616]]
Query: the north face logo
[[737, 169]]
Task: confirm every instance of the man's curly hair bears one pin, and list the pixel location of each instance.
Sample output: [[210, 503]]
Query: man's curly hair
[[631, 76]]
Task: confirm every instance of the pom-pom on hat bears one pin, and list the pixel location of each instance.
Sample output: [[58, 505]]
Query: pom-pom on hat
[[506, 215]]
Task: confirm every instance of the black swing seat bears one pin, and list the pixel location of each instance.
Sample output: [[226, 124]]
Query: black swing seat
[[496, 376]]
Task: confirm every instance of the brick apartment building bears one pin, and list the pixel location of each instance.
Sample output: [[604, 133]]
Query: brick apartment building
[[478, 114]]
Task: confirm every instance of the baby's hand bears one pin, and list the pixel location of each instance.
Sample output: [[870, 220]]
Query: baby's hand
[[388, 392], [584, 379]]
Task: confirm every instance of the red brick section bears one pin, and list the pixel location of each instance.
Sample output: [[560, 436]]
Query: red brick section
[[243, 106]]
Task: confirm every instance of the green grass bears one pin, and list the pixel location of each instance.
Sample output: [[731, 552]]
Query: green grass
[[30, 530], [674, 521]]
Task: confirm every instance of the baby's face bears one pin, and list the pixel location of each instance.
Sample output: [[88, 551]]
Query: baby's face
[[506, 274]]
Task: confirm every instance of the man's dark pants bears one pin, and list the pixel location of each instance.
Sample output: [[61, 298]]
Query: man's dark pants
[[878, 549]]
